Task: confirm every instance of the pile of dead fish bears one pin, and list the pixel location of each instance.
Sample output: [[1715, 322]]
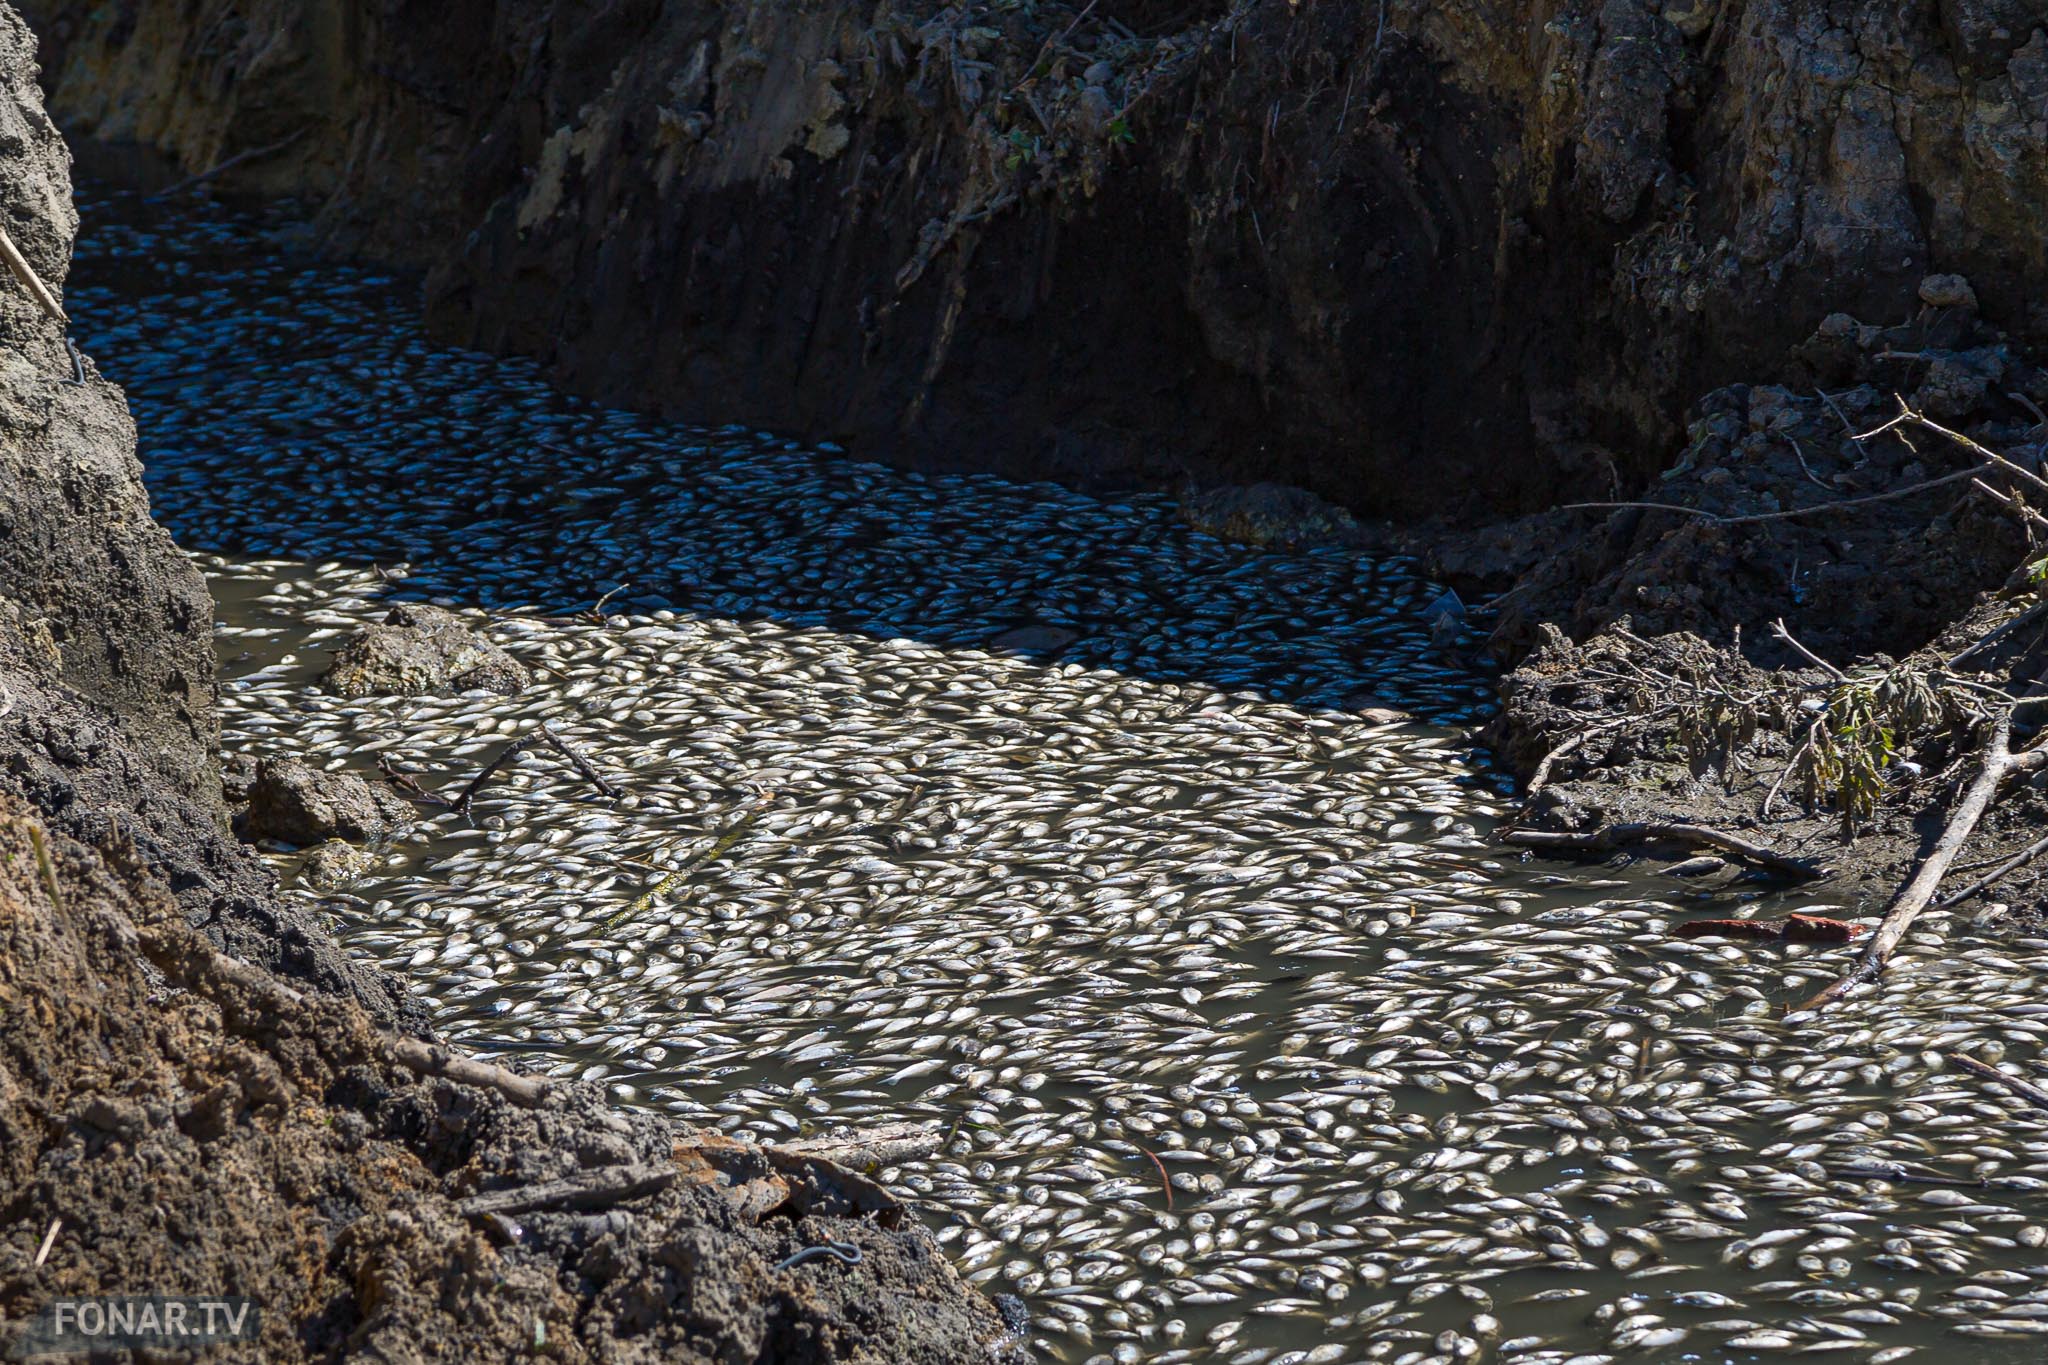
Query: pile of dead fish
[[1051, 821]]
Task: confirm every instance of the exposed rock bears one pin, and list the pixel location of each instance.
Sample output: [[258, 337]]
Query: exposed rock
[[1443, 258], [1765, 449], [335, 865], [299, 804], [237, 776], [421, 649]]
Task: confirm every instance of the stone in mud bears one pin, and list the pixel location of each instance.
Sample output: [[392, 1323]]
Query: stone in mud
[[297, 803], [422, 649], [334, 865], [1948, 291], [1269, 514]]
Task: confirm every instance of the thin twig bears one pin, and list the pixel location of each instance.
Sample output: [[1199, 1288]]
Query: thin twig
[[1539, 779], [194, 181], [1641, 832], [1840, 416], [46, 869], [1165, 1181], [1982, 452], [1778, 630], [2040, 417], [49, 1240], [2026, 1090], [408, 784], [596, 612], [1790, 763], [2013, 504], [2012, 864], [516, 747], [1999, 633], [1805, 468], [581, 763], [1758, 517]]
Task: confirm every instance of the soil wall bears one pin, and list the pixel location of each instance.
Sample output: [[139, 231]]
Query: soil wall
[[1446, 258]]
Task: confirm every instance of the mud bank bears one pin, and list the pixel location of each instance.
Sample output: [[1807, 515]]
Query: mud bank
[[1425, 259], [1802, 629], [200, 1093]]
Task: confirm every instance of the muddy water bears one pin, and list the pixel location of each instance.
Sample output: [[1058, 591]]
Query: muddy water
[[1248, 1045]]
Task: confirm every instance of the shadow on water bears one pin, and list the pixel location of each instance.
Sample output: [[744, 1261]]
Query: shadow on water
[[291, 407]]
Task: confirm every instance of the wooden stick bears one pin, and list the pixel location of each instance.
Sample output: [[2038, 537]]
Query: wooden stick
[[1756, 518], [30, 281], [1998, 633], [193, 963], [592, 1189], [582, 765], [194, 181], [2031, 1093], [430, 1060], [1639, 832], [408, 784], [1999, 762], [868, 1148], [516, 747], [2017, 861], [49, 1240], [1779, 630]]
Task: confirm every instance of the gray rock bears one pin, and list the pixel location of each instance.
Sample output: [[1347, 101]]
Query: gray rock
[[1948, 291], [334, 865], [297, 803], [421, 649]]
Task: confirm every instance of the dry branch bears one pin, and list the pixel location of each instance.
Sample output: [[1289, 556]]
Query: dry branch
[[2012, 864], [2026, 1090], [194, 181], [191, 962], [1756, 518], [577, 760], [430, 1060], [30, 281], [1609, 837], [1998, 763]]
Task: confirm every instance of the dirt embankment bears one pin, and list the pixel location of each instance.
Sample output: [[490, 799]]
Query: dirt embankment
[[1423, 258], [201, 1094]]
